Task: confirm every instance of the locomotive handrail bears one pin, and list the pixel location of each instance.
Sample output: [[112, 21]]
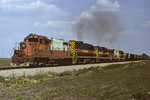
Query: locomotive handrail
[[12, 51], [14, 48]]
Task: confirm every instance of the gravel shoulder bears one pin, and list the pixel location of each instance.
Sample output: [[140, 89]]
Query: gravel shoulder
[[60, 69]]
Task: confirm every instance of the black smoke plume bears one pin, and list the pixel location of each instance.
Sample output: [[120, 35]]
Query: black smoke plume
[[97, 25]]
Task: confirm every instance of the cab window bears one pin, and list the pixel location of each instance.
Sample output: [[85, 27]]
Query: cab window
[[33, 39], [25, 40]]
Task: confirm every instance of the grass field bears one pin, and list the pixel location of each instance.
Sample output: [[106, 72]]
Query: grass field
[[114, 82], [5, 62]]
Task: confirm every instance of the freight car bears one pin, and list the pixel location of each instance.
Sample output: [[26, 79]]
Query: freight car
[[38, 50]]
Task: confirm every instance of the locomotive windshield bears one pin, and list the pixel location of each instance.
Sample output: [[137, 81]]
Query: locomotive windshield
[[32, 39]]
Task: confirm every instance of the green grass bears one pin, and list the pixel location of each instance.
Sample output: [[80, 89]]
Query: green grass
[[113, 82], [5, 62]]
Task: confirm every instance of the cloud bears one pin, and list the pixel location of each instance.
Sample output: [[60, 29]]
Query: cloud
[[36, 24], [126, 32], [89, 14], [46, 7], [107, 5], [31, 11], [147, 24], [4, 1], [50, 24], [86, 15], [54, 24], [20, 5]]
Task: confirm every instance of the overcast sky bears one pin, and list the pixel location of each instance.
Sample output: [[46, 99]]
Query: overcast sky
[[56, 18]]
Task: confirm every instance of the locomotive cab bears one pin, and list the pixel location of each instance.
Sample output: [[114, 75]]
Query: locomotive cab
[[30, 49], [121, 55]]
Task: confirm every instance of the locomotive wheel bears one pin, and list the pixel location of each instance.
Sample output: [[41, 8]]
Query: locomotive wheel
[[36, 63], [68, 61], [42, 64], [80, 61], [61, 62], [92, 61]]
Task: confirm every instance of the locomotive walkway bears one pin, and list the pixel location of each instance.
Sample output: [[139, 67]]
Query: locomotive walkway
[[56, 69]]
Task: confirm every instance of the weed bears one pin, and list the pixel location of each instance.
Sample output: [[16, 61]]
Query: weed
[[2, 79], [140, 95], [51, 74], [24, 74], [65, 73], [38, 76], [20, 98], [54, 93]]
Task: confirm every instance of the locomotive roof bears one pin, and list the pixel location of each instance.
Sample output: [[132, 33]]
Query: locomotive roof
[[57, 39], [44, 37]]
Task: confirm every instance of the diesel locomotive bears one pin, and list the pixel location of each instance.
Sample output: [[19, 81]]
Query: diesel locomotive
[[38, 50]]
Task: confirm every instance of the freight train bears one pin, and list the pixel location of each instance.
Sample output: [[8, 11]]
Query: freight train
[[38, 50]]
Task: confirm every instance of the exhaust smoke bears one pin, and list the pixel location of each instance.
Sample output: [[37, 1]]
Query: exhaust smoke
[[98, 25]]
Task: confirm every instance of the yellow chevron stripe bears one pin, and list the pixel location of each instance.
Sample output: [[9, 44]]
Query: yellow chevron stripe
[[72, 43], [72, 49]]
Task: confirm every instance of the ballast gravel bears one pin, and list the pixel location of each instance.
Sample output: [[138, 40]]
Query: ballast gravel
[[60, 69]]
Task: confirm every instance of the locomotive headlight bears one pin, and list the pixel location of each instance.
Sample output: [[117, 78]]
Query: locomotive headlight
[[23, 46]]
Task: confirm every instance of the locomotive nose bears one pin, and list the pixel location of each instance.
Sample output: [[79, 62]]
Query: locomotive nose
[[19, 53]]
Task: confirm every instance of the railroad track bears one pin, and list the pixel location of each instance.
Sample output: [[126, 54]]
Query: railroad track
[[9, 68], [24, 67], [29, 67], [55, 65]]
